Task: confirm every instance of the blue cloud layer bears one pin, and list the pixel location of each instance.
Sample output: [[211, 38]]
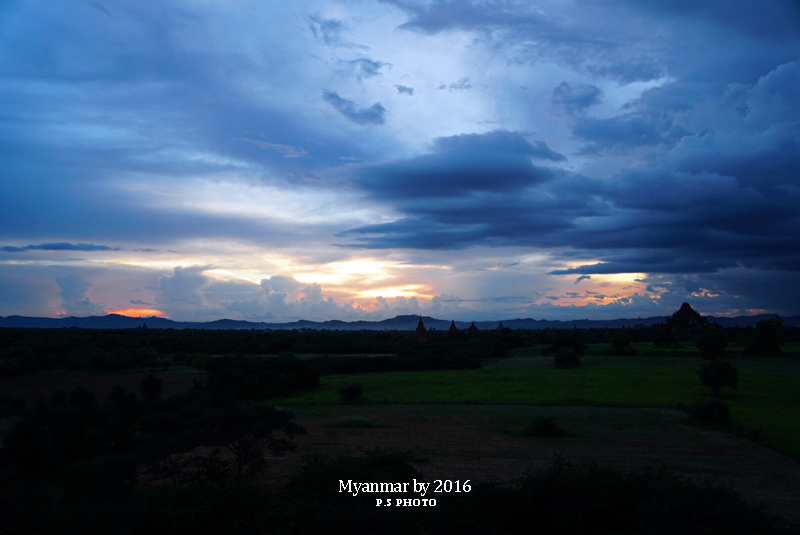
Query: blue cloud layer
[[651, 137]]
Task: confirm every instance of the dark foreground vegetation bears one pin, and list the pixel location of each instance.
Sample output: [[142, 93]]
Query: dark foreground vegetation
[[199, 462], [101, 496]]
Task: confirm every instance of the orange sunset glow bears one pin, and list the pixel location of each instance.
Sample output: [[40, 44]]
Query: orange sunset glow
[[136, 312]]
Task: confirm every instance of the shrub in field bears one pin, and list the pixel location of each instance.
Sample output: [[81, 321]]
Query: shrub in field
[[566, 358], [567, 339], [546, 426], [350, 393], [711, 411], [717, 374]]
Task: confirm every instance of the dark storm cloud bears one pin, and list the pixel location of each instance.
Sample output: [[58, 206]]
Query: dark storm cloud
[[473, 189], [759, 132], [629, 70], [576, 99], [668, 221], [627, 131], [97, 108], [459, 166], [64, 246], [484, 190], [748, 17], [372, 115], [440, 15]]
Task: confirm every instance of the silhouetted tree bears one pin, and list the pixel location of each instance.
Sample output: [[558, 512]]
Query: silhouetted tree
[[712, 345], [767, 337], [717, 374], [246, 431]]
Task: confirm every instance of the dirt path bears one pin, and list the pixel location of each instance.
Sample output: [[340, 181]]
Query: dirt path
[[472, 442]]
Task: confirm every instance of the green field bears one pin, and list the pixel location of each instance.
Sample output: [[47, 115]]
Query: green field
[[765, 405]]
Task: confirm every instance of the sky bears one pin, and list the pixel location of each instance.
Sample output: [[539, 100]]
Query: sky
[[470, 160]]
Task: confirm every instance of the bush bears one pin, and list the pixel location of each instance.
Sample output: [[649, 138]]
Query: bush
[[568, 339], [717, 374], [566, 358], [711, 411], [546, 426], [350, 393]]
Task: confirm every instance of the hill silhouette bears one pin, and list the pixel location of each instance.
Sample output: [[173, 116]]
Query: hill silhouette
[[685, 318]]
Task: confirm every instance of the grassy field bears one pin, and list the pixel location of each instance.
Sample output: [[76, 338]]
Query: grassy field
[[766, 403]]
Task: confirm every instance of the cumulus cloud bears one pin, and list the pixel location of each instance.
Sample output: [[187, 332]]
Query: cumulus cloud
[[74, 300], [282, 298], [372, 115], [403, 89], [182, 292]]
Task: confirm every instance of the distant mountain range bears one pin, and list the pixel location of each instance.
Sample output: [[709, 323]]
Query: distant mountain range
[[399, 323]]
